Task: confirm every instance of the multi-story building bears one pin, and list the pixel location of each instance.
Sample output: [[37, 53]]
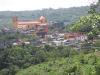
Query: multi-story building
[[77, 36], [57, 24]]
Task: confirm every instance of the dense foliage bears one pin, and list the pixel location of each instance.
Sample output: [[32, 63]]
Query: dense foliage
[[69, 61], [18, 35], [89, 24], [82, 64], [12, 59], [67, 15]]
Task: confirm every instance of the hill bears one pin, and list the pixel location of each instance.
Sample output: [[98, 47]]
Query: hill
[[78, 65], [67, 15]]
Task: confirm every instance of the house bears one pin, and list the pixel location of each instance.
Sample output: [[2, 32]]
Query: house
[[76, 36], [9, 31], [41, 34], [34, 42], [18, 42], [9, 41], [57, 24], [48, 36], [96, 38], [57, 43], [61, 35], [43, 43], [66, 42]]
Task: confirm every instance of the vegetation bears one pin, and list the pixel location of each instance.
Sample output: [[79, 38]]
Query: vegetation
[[12, 59], [29, 59], [81, 64], [67, 15], [89, 24], [18, 36], [49, 60]]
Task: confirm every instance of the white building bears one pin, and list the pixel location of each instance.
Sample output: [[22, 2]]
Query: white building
[[81, 38], [49, 36]]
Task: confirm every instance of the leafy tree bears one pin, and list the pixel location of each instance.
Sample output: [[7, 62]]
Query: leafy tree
[[23, 45], [97, 69], [40, 56], [51, 27], [96, 44], [15, 56], [88, 24], [82, 60]]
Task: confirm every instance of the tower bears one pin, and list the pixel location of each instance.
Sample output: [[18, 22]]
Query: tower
[[15, 21]]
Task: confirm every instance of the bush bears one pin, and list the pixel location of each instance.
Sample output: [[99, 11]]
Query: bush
[[26, 65]]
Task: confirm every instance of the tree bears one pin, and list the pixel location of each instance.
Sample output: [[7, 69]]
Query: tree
[[51, 27], [40, 56], [96, 44], [89, 24], [15, 56], [97, 69], [23, 45]]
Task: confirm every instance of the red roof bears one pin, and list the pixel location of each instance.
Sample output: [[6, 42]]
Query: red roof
[[28, 22]]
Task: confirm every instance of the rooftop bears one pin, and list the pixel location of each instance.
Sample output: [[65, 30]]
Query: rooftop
[[29, 22]]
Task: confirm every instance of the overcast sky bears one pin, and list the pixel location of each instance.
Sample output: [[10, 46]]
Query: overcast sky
[[20, 5]]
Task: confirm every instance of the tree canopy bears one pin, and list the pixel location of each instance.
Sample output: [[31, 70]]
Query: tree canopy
[[90, 23]]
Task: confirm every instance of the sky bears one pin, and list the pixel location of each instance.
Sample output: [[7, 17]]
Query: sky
[[21, 5]]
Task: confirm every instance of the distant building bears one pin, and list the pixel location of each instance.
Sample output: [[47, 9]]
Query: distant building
[[27, 25], [76, 36], [57, 24]]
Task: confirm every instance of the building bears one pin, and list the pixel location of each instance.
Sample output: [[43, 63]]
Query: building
[[26, 25], [57, 24], [76, 36]]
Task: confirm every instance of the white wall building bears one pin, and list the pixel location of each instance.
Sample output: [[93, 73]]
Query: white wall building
[[81, 38], [49, 36]]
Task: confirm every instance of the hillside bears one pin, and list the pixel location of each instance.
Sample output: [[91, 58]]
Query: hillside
[[67, 15], [78, 65]]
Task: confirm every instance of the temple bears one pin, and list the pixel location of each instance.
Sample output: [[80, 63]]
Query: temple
[[26, 25]]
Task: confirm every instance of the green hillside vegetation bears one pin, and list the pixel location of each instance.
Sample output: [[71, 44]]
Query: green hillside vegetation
[[67, 15], [82, 64], [48, 60]]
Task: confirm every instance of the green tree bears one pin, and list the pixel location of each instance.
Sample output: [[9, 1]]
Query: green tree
[[96, 44], [97, 69], [40, 56]]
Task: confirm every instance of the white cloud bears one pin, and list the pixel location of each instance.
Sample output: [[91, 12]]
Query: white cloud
[[18, 5]]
